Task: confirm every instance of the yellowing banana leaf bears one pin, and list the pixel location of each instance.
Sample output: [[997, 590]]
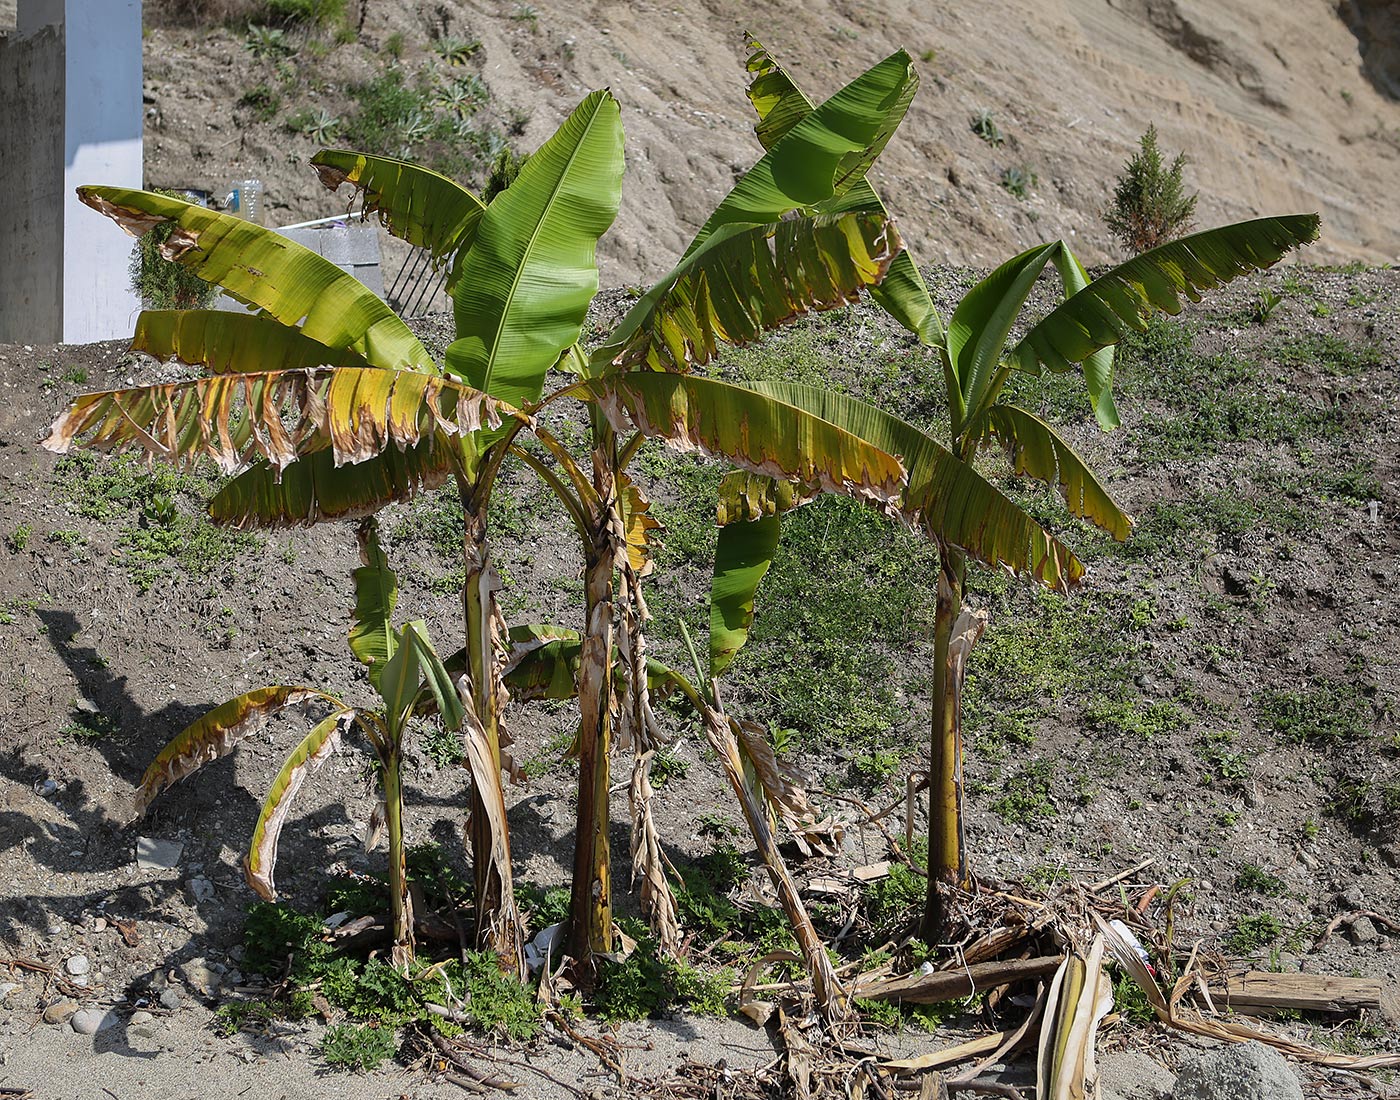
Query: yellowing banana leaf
[[979, 326], [1080, 996], [215, 735], [1125, 298], [232, 343], [776, 786], [825, 153], [310, 754], [372, 635], [743, 553], [414, 203], [530, 274], [276, 415], [744, 496], [292, 283], [641, 527], [314, 488], [1036, 450], [746, 280], [755, 430], [780, 105], [947, 498]]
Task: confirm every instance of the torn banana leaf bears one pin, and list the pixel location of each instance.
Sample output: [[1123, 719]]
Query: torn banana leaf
[[310, 754], [216, 733]]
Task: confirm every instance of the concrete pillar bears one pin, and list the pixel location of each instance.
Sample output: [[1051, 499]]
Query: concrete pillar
[[70, 82]]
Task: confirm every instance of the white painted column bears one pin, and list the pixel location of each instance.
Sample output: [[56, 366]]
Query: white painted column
[[102, 144]]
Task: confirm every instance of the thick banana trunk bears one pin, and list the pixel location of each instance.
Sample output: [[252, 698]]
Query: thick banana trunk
[[498, 927], [590, 905]]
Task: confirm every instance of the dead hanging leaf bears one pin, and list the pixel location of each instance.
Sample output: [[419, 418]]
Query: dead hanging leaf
[[744, 497], [784, 794], [216, 734], [374, 828], [648, 861]]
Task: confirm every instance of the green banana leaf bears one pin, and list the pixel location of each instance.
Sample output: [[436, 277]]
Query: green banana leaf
[[1037, 451], [435, 675], [743, 553], [314, 488], [949, 499], [780, 105], [400, 682], [1098, 368], [372, 635], [543, 664], [359, 412], [310, 754], [290, 282], [750, 427], [232, 343], [824, 154], [414, 203], [744, 281], [530, 275], [216, 733], [979, 326], [1125, 298]]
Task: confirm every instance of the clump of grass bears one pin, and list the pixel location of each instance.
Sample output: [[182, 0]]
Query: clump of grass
[[1324, 712], [1019, 179], [1251, 934], [985, 127], [1251, 877]]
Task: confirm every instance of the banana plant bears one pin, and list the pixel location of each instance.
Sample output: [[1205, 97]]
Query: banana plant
[[404, 670], [753, 266], [324, 405], [966, 519]]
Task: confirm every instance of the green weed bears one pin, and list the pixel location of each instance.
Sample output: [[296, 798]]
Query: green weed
[[356, 1047], [1251, 934], [1256, 879], [18, 539], [1324, 712]]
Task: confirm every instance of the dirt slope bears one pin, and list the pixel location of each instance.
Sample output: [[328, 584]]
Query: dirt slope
[[1280, 107]]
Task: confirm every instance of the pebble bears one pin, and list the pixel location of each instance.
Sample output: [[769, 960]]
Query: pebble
[[89, 1021], [59, 1011], [1363, 931], [201, 889], [170, 998], [78, 965]]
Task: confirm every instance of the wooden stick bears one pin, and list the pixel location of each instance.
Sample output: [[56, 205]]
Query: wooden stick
[[948, 985], [1306, 992], [1113, 880]]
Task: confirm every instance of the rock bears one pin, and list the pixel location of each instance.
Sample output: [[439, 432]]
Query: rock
[[201, 889], [1390, 855], [153, 854], [141, 1024], [78, 965], [1363, 931], [59, 1011], [1248, 1071], [170, 998], [141, 1017], [1354, 898], [6, 988], [200, 976], [1131, 1075], [89, 1021]]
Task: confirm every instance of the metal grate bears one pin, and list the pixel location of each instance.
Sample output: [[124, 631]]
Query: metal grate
[[417, 284]]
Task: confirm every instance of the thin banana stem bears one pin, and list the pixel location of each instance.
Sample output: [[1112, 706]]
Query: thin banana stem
[[400, 905], [826, 987], [946, 861]]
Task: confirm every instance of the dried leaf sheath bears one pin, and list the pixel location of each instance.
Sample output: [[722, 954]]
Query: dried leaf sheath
[[216, 734], [310, 754], [358, 412]]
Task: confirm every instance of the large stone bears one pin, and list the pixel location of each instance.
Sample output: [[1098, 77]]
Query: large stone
[[1247, 1071], [89, 1021], [154, 854], [1131, 1075]]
